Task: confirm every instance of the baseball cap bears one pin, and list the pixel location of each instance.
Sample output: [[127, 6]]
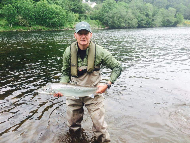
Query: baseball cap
[[82, 26]]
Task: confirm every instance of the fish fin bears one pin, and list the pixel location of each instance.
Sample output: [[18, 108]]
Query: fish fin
[[92, 95]]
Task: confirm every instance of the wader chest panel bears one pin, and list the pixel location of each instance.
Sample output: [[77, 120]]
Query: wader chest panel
[[74, 58]]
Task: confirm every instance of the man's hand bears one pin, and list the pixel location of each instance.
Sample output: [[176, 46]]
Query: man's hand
[[58, 94], [102, 88]]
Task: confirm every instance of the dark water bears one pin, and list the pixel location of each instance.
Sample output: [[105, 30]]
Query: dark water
[[149, 103]]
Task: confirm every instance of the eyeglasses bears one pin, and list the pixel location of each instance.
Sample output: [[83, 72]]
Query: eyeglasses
[[83, 32]]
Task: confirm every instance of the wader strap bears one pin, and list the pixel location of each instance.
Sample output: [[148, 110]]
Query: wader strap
[[74, 59], [91, 57], [83, 71]]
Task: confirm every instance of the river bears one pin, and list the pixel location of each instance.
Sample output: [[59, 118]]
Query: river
[[149, 103]]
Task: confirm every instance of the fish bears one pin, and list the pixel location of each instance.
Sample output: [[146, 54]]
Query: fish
[[68, 90]]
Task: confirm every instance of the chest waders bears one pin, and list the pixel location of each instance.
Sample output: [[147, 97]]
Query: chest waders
[[74, 59]]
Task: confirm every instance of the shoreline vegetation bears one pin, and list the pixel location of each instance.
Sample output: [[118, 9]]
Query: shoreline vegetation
[[185, 23], [51, 15], [5, 28]]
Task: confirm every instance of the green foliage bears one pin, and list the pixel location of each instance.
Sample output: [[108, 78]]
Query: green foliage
[[116, 18], [179, 18], [168, 17], [160, 3], [136, 13], [96, 11], [71, 18], [50, 15], [105, 10], [157, 19], [76, 6], [86, 8], [187, 13], [110, 13], [3, 22], [143, 12], [132, 21], [185, 23], [26, 12], [95, 23], [181, 6], [10, 14], [121, 17]]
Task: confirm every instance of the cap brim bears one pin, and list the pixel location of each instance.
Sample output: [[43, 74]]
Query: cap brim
[[82, 29]]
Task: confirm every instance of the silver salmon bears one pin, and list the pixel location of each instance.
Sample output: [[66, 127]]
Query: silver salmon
[[68, 90]]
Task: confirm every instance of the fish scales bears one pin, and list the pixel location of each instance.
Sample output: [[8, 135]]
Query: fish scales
[[68, 90]]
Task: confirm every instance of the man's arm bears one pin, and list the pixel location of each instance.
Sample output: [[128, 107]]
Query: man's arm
[[110, 62], [65, 78]]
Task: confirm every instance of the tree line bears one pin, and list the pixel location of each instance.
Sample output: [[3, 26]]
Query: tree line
[[108, 13], [135, 14], [181, 6]]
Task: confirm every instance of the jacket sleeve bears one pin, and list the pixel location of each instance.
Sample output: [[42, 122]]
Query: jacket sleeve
[[65, 78], [110, 62]]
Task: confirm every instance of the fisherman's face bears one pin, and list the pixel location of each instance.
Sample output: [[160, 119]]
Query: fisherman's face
[[83, 38]]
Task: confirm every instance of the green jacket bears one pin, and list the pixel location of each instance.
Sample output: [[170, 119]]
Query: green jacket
[[103, 58]]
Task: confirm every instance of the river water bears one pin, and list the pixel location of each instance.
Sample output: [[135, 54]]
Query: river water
[[149, 103]]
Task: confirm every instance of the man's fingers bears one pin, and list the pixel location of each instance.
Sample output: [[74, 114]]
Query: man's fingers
[[58, 95], [99, 91]]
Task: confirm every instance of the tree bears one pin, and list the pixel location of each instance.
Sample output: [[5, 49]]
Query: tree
[[107, 7], [187, 16], [111, 13], [25, 11], [168, 18], [131, 21], [116, 18], [76, 6], [179, 18], [143, 13], [157, 18], [10, 14], [120, 17], [50, 15], [160, 3]]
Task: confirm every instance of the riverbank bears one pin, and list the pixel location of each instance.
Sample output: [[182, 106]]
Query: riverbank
[[185, 23], [32, 28], [4, 27], [94, 24]]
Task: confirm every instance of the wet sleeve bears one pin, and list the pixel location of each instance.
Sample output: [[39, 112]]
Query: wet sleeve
[[110, 62], [65, 78]]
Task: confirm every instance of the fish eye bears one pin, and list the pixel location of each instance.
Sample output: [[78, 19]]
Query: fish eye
[[47, 89]]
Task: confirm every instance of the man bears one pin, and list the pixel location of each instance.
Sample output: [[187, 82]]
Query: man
[[81, 65]]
